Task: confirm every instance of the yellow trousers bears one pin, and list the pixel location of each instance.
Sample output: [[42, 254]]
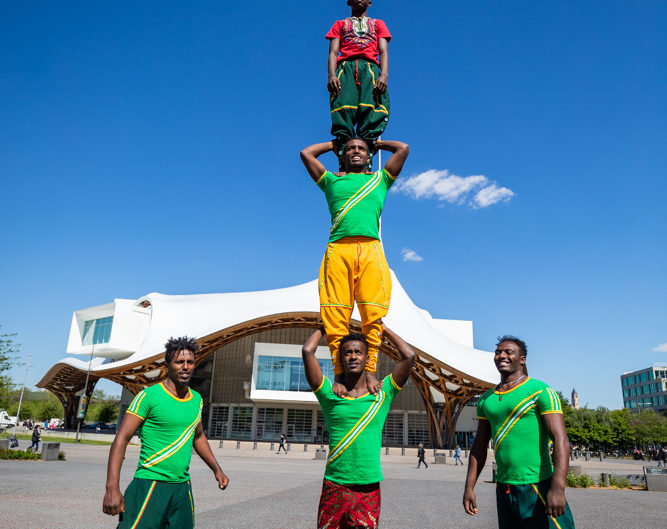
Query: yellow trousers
[[354, 269]]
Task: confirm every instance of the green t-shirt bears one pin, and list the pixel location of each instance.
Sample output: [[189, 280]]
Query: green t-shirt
[[167, 433], [355, 432], [520, 437], [355, 202]]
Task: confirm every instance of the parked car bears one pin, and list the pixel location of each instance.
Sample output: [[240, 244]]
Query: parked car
[[6, 421]]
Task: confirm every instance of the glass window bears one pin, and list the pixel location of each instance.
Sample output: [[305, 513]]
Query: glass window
[[392, 433], [322, 435], [282, 373], [219, 421], [661, 399], [633, 403], [269, 423], [97, 331], [625, 393], [644, 376], [633, 392], [241, 422], [300, 425], [418, 429]]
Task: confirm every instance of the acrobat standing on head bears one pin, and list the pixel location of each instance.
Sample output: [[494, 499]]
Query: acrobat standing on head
[[358, 67], [354, 268]]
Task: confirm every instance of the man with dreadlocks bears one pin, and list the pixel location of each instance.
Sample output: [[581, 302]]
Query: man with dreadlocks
[[354, 268], [169, 414]]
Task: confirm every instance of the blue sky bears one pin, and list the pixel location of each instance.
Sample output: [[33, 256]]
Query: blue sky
[[153, 146]]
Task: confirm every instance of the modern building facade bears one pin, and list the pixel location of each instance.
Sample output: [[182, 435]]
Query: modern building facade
[[645, 389], [249, 370]]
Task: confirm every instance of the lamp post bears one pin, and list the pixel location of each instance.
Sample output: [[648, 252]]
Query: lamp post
[[25, 380], [85, 406]]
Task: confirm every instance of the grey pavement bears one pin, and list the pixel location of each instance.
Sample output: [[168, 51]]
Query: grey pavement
[[282, 492]]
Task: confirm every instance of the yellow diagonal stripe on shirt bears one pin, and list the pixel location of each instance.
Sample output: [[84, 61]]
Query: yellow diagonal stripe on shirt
[[174, 447], [518, 412], [354, 199], [350, 436]]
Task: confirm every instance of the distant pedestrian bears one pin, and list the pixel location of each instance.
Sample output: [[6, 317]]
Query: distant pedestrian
[[457, 456], [662, 457], [282, 444], [36, 436], [421, 453]]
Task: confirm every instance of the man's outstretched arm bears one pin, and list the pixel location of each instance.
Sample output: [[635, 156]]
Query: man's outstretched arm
[[113, 502], [399, 151], [310, 363], [555, 500], [402, 369], [476, 464], [309, 158], [204, 451]]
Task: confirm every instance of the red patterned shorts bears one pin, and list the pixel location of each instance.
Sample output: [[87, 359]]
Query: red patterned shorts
[[349, 506]]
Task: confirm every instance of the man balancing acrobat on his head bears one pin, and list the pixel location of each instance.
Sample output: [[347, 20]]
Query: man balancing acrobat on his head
[[351, 489], [521, 414], [169, 414], [354, 268]]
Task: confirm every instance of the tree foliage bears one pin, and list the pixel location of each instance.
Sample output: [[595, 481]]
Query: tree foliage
[[9, 350], [618, 429]]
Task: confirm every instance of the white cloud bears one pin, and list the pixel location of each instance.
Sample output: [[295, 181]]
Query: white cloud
[[411, 255], [475, 190], [492, 194], [662, 348]]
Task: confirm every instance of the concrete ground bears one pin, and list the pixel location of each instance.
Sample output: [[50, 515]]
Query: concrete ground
[[282, 492]]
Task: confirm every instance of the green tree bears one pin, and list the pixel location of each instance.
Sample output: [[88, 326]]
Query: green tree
[[622, 434], [9, 350], [50, 409], [108, 412]]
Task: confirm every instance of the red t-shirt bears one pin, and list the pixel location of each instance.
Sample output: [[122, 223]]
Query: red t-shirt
[[359, 37]]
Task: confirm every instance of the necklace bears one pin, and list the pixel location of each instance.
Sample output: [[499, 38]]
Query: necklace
[[507, 383]]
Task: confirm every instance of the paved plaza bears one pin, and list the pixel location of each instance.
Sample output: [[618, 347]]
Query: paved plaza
[[269, 491]]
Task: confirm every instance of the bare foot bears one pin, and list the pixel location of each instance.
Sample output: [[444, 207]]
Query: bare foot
[[372, 383], [338, 388]]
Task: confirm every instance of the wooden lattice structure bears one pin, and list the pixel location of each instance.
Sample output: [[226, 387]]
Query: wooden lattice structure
[[429, 374]]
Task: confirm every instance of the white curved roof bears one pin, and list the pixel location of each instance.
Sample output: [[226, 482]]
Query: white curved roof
[[203, 314]]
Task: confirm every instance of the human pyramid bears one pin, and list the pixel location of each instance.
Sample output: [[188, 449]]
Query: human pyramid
[[355, 406]]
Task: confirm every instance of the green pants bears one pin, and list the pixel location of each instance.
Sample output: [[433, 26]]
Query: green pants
[[158, 505], [522, 507], [356, 105]]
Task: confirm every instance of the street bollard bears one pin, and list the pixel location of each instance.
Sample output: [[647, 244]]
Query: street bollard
[[238, 444], [600, 455], [305, 448], [588, 455], [466, 454], [289, 446], [254, 445], [571, 455], [273, 446], [493, 472], [403, 451], [605, 479], [220, 445], [386, 450]]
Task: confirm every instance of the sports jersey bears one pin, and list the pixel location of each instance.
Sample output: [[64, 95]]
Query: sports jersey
[[359, 37], [355, 202], [355, 432], [167, 433], [520, 437]]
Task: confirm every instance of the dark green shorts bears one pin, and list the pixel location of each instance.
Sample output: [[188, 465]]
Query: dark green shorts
[[522, 507], [158, 505]]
